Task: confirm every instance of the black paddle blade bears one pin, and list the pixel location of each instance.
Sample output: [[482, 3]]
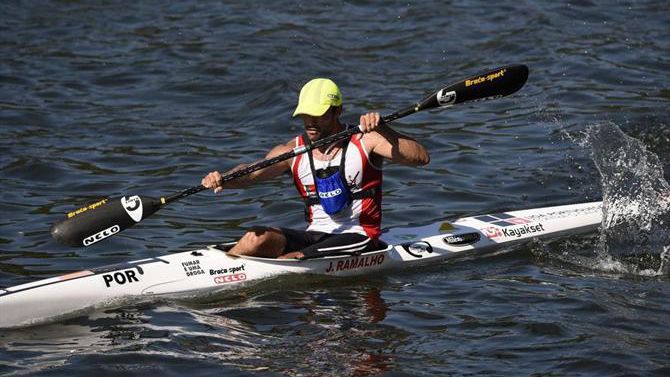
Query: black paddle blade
[[103, 219], [495, 83]]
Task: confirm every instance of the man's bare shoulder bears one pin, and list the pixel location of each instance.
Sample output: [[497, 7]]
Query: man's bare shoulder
[[282, 148], [290, 144]]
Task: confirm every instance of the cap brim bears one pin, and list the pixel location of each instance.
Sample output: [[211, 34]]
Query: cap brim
[[313, 110]]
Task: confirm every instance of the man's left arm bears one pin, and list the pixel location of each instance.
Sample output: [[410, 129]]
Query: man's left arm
[[386, 142]]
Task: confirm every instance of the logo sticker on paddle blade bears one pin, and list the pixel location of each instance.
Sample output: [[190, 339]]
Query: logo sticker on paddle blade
[[133, 207], [446, 98], [90, 240]]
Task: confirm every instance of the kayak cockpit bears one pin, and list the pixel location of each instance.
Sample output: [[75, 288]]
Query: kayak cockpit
[[226, 246]]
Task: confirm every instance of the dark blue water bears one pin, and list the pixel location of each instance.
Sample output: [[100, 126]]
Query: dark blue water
[[103, 99]]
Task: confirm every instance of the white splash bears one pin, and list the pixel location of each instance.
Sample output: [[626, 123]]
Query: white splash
[[635, 232]]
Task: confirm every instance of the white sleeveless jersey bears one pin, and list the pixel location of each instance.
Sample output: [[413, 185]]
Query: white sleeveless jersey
[[364, 215]]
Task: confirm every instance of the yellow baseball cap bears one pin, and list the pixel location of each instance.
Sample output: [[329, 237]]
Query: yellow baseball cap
[[317, 96]]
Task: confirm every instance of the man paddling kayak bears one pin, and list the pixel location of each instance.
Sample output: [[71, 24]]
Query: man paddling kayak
[[340, 184]]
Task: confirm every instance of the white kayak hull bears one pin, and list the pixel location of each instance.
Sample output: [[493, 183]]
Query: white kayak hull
[[211, 270]]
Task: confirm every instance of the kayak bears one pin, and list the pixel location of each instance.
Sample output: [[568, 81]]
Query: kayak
[[210, 270]]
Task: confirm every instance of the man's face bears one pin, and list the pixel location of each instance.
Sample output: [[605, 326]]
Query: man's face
[[322, 126]]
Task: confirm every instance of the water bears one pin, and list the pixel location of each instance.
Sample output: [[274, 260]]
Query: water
[[107, 99]]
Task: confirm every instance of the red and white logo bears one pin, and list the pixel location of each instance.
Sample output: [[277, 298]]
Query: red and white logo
[[492, 232], [225, 279]]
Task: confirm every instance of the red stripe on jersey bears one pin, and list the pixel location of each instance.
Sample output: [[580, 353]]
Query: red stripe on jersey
[[296, 178], [371, 211]]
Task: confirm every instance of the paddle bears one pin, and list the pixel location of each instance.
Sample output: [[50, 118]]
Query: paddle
[[107, 217]]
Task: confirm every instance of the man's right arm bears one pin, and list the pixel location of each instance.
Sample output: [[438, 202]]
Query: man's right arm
[[213, 179]]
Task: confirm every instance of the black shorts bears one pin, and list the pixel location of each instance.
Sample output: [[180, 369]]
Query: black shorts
[[317, 244]]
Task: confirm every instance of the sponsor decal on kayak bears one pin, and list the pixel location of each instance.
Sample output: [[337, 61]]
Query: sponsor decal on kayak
[[489, 77], [228, 274], [416, 249], [492, 232], [502, 219], [122, 277], [515, 232], [225, 279], [226, 270], [192, 268], [507, 225], [356, 263], [566, 213], [520, 231], [84, 209], [133, 207], [461, 239], [90, 240]]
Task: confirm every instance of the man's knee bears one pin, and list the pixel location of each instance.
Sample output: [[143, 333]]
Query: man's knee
[[261, 235], [261, 242], [262, 239]]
